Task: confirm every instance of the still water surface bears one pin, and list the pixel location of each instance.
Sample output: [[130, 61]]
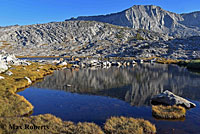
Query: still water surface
[[95, 95]]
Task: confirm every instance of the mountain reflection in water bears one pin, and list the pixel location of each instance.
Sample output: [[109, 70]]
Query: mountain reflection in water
[[99, 94], [135, 85]]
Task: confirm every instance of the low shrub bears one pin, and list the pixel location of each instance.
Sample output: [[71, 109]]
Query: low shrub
[[45, 124], [194, 64], [168, 112], [123, 125]]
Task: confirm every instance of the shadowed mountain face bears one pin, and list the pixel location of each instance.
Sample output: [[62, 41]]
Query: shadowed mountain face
[[135, 85], [153, 18]]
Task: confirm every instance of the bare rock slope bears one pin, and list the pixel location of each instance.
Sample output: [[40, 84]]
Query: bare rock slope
[[142, 31], [69, 38]]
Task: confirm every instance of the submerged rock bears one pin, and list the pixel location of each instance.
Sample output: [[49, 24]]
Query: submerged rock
[[168, 98]]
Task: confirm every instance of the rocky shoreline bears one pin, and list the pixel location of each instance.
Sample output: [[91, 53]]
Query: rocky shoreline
[[18, 74]]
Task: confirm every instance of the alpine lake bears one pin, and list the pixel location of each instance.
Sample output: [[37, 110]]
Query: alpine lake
[[94, 95]]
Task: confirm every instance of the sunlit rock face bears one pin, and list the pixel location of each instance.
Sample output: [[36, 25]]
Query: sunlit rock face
[[135, 85], [78, 38], [153, 18], [70, 32], [140, 31]]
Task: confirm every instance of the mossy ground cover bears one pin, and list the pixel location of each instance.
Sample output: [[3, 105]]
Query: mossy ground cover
[[123, 125], [168, 112]]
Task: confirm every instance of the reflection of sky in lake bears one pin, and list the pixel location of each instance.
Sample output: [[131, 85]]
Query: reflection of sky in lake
[[76, 107], [136, 88]]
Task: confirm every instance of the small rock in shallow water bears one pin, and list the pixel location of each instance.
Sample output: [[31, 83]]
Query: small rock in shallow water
[[168, 98]]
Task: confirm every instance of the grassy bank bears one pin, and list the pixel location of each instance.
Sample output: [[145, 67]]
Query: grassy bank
[[168, 112], [45, 124], [13, 104], [123, 125], [167, 61], [50, 124]]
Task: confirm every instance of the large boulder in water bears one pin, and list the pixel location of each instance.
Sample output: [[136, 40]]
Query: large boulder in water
[[168, 98]]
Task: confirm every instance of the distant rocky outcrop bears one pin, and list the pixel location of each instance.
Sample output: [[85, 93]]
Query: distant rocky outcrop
[[152, 18], [3, 66], [9, 59]]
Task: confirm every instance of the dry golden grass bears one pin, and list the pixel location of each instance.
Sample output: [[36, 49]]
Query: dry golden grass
[[52, 124], [37, 56], [2, 47], [167, 61], [6, 44], [123, 125], [48, 124], [149, 58], [168, 112], [11, 103], [87, 128]]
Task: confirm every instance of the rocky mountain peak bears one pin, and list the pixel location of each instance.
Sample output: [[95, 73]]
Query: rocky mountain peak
[[146, 7], [151, 17]]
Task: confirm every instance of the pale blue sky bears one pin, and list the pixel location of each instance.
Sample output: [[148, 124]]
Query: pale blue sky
[[24, 12]]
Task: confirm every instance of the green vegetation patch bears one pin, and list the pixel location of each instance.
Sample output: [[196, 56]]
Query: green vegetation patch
[[168, 112], [194, 64], [123, 125]]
